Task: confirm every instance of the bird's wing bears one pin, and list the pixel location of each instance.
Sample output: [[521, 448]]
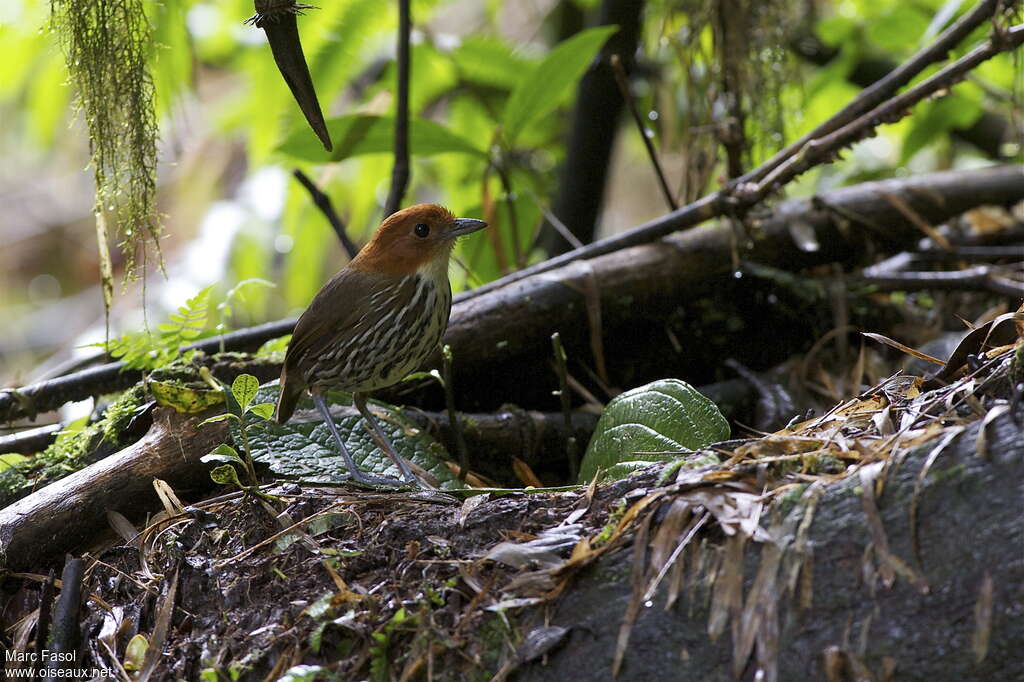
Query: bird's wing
[[351, 300]]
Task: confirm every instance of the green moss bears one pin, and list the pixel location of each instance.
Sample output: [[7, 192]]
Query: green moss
[[106, 45], [71, 450], [613, 521]]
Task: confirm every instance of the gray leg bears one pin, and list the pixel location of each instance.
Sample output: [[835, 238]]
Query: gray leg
[[384, 443], [356, 473]]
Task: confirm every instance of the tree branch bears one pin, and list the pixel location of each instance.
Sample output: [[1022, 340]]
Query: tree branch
[[885, 87], [323, 202], [400, 172]]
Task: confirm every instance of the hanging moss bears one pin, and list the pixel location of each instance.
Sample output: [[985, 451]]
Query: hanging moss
[[106, 44]]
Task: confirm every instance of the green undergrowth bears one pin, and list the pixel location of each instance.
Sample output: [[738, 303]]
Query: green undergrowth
[[73, 448]]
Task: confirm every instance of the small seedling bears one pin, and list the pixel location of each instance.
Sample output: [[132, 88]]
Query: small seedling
[[243, 390]]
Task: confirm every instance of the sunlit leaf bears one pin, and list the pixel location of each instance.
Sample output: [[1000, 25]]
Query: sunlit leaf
[[544, 87], [244, 389]]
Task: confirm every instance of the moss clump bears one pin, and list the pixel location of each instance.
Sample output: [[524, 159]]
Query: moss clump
[[72, 448], [106, 46]]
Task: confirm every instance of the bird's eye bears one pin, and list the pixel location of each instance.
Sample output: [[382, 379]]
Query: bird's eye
[[422, 230]]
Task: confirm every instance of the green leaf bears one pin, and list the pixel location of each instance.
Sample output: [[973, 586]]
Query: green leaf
[[542, 89], [10, 460], [222, 453], [244, 389], [901, 25], [664, 416], [936, 119], [225, 474], [366, 134], [306, 449], [218, 418], [489, 61], [264, 410]]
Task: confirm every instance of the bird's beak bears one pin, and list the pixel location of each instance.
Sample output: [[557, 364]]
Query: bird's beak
[[463, 226]]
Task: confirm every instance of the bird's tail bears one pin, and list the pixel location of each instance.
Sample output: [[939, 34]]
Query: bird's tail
[[291, 391]]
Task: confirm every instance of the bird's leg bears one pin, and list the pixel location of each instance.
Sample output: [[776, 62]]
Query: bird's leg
[[384, 443], [357, 475]]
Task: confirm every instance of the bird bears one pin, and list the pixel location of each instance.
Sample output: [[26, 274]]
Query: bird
[[378, 319]]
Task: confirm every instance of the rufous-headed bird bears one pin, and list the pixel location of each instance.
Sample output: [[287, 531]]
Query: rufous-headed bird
[[376, 321]]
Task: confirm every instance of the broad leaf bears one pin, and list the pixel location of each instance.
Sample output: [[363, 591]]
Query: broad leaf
[[244, 389], [649, 424], [222, 453], [304, 448], [544, 87], [366, 134], [264, 410]]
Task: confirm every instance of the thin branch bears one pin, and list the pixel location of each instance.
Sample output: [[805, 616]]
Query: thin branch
[[739, 196], [978, 278], [563, 397], [885, 87], [400, 172], [623, 82], [826, 149], [323, 202], [453, 417]]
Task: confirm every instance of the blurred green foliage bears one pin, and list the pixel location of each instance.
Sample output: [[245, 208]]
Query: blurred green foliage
[[488, 106]]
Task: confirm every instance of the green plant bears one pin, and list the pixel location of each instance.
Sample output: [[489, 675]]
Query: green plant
[[237, 293], [148, 351], [243, 390]]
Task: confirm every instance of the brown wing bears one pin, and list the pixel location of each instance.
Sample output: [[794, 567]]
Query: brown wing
[[338, 306]]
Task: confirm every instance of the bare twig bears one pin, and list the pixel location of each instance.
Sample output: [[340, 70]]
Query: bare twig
[[623, 82], [323, 202], [563, 397], [453, 418], [826, 149], [959, 191], [400, 172], [740, 196]]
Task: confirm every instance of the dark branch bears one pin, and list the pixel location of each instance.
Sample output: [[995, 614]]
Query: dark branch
[[622, 79], [886, 87], [934, 197], [593, 129], [400, 173], [323, 202]]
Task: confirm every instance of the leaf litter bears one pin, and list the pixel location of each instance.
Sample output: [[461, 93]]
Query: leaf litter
[[350, 585]]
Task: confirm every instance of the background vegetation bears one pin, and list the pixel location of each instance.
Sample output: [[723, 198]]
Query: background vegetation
[[722, 86]]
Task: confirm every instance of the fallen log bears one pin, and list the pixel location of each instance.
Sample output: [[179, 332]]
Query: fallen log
[[65, 515]]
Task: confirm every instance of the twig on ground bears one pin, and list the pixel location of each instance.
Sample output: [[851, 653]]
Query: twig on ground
[[571, 453], [453, 418]]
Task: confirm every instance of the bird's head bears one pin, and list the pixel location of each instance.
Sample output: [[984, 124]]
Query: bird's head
[[414, 238]]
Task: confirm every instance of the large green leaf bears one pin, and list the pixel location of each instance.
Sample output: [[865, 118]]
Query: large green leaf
[[489, 61], [543, 88], [935, 119], [366, 134], [666, 416], [304, 447]]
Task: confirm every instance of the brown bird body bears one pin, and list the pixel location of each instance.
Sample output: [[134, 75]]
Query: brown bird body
[[378, 319]]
